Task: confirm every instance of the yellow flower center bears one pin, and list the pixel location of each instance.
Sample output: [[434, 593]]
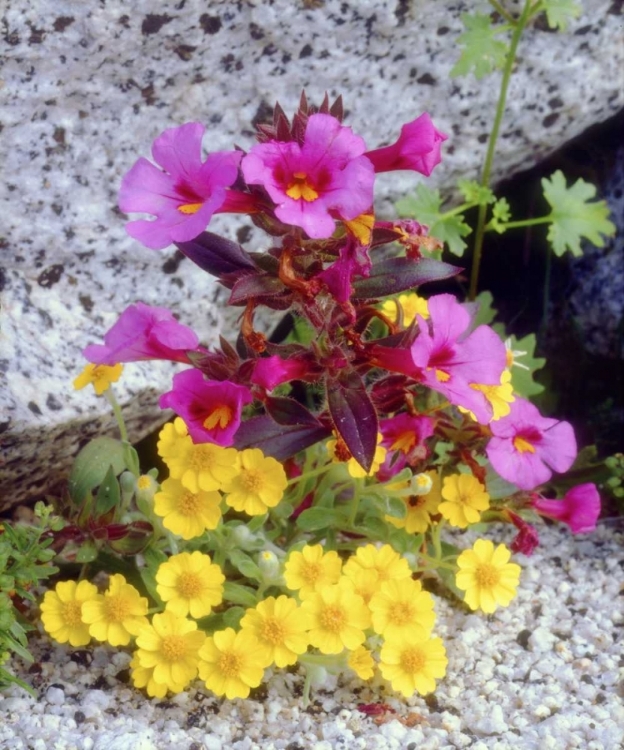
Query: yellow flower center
[[272, 631], [116, 608], [144, 482], [230, 664], [400, 613], [333, 618], [189, 585], [190, 208], [202, 457], [522, 445], [220, 416], [311, 572], [173, 648], [441, 376], [509, 358], [487, 575], [251, 479], [404, 442], [301, 188], [413, 660], [188, 504], [72, 613], [416, 501]]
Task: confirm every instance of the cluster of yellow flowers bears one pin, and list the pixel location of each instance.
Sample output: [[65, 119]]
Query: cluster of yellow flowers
[[190, 499], [368, 606]]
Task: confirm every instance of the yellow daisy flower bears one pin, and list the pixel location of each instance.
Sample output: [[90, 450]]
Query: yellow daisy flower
[[258, 485], [116, 615], [232, 663], [362, 582], [409, 305], [184, 512], [464, 499], [338, 619], [401, 609], [419, 508], [362, 663], [487, 576], [142, 677], [413, 664], [190, 583], [353, 467], [281, 627], [202, 466], [169, 646], [61, 612], [310, 569], [100, 376], [174, 445], [384, 560]]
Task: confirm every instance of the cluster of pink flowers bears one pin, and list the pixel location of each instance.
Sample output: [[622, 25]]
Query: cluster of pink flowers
[[312, 185]]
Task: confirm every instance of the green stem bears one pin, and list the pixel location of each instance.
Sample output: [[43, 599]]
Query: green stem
[[355, 502], [501, 11], [489, 157], [526, 223], [309, 474], [110, 397], [457, 210]]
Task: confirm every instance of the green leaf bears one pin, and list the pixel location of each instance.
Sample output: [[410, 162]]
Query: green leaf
[[232, 617], [485, 312], [245, 564], [395, 507], [559, 12], [473, 192], [234, 592], [131, 457], [315, 519], [501, 214], [426, 206], [86, 553], [522, 379], [91, 466], [573, 216], [109, 495], [482, 53]]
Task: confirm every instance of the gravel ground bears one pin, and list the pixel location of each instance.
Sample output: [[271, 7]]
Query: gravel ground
[[544, 673]]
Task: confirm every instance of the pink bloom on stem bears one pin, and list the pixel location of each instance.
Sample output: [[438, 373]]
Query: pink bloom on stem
[[211, 409], [352, 261], [144, 332], [417, 148], [186, 194], [325, 177], [450, 358], [527, 447], [579, 508], [405, 432], [269, 372]]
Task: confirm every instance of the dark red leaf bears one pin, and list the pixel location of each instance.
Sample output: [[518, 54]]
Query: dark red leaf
[[395, 275]]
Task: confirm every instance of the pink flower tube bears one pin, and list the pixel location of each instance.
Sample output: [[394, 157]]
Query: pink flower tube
[[186, 194], [144, 332], [269, 372], [417, 148], [527, 447], [579, 508], [211, 410]]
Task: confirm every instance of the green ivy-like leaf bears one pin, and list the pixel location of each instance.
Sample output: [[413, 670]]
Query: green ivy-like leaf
[[482, 53], [473, 192], [426, 207], [573, 216], [559, 12], [92, 464], [501, 214], [485, 311]]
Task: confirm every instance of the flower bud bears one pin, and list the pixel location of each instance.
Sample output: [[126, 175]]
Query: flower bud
[[269, 566], [421, 484]]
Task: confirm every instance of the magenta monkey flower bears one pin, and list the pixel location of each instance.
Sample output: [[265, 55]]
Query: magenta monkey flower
[[144, 332], [185, 195], [211, 409], [451, 358], [526, 447], [579, 508], [405, 432], [417, 148], [327, 177]]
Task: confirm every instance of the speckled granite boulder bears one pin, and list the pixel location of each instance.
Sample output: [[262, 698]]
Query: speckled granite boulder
[[87, 86]]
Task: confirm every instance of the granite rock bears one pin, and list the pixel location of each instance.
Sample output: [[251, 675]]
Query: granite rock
[[88, 86]]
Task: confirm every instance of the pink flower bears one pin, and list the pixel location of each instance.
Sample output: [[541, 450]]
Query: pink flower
[[417, 148], [184, 197], [326, 177], [211, 410], [526, 446], [269, 372], [526, 540], [352, 261], [451, 358], [405, 432], [144, 332], [579, 508]]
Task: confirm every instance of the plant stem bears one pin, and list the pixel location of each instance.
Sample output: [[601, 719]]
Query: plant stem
[[519, 27], [309, 474], [501, 11], [526, 222], [110, 397]]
